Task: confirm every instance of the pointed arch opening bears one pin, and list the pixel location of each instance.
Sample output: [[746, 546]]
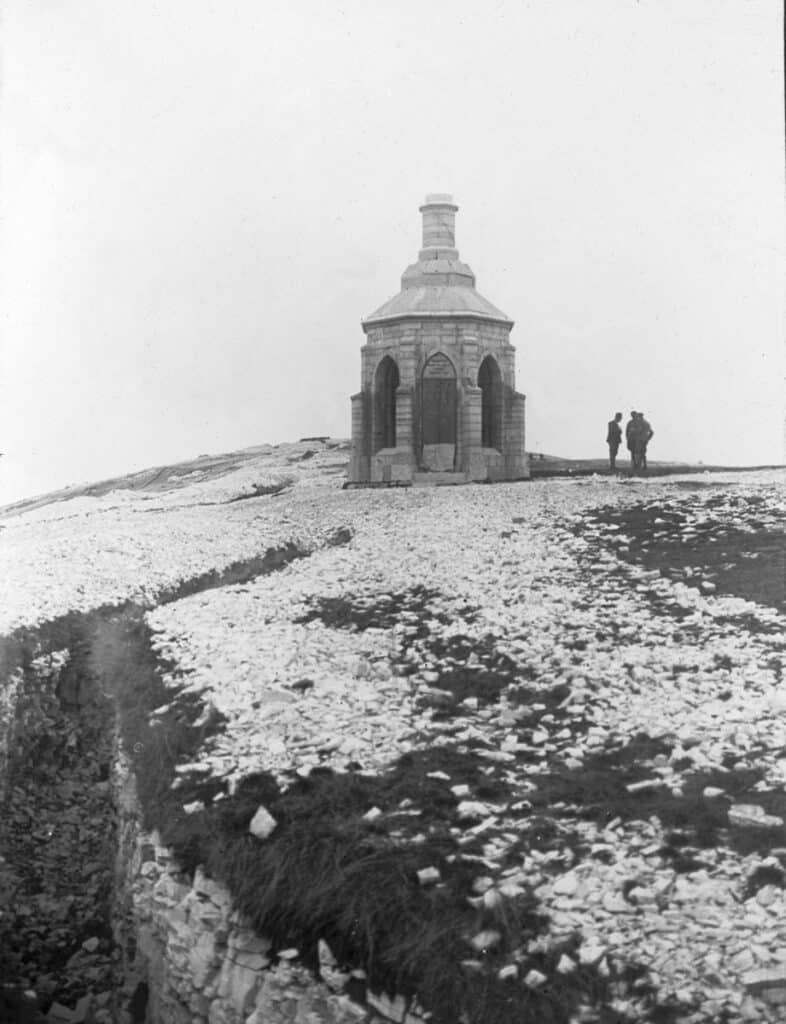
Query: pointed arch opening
[[490, 384], [386, 381], [439, 401]]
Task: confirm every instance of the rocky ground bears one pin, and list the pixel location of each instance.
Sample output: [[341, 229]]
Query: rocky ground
[[559, 704]]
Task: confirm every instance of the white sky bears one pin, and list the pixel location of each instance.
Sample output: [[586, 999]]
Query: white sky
[[202, 199]]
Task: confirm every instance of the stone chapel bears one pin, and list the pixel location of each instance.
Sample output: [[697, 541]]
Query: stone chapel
[[438, 402]]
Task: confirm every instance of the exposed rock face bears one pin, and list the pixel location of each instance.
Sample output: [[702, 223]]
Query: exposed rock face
[[191, 959], [57, 835]]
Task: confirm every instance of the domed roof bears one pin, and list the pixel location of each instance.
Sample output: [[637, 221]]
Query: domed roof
[[439, 284]]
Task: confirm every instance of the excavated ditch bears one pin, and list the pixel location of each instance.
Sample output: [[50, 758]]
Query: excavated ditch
[[67, 727]]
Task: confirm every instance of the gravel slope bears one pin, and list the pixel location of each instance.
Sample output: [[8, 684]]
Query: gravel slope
[[602, 645]]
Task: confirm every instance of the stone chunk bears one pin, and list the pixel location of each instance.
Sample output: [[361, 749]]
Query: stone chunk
[[753, 815], [645, 784], [567, 884], [428, 876], [393, 1009], [469, 809], [614, 903], [83, 1011], [590, 953], [486, 940], [765, 981], [59, 1013], [534, 979], [262, 824]]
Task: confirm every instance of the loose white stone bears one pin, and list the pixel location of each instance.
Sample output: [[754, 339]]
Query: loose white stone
[[487, 939], [645, 784], [753, 814], [566, 885], [262, 824], [469, 809], [534, 979], [614, 903], [429, 876], [591, 953]]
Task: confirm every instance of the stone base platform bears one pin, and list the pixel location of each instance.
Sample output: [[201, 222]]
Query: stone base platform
[[439, 479]]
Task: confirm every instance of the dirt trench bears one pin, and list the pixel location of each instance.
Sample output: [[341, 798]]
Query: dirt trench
[[65, 950]]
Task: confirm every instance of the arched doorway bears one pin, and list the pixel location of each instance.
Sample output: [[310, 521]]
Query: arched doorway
[[490, 384], [438, 408], [386, 383]]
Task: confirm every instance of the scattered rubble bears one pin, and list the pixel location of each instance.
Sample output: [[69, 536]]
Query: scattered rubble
[[603, 716]]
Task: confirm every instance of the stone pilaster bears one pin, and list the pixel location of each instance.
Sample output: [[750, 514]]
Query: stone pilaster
[[407, 359], [516, 462], [359, 455], [404, 418], [470, 427]]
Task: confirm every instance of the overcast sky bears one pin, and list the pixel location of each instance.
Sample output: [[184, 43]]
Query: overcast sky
[[202, 199]]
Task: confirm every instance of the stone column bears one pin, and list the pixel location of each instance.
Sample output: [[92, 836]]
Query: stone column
[[404, 418], [359, 455], [516, 462], [471, 433], [470, 349], [407, 359]]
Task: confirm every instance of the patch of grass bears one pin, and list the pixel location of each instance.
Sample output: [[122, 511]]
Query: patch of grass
[[326, 872], [379, 611], [764, 874], [597, 792], [122, 656], [744, 562]]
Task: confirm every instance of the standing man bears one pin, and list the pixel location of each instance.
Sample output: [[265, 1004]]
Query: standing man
[[646, 433], [613, 439], [630, 437]]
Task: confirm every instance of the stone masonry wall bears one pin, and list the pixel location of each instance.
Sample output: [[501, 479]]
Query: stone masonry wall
[[410, 343]]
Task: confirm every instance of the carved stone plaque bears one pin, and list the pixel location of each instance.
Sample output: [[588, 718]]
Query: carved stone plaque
[[439, 367]]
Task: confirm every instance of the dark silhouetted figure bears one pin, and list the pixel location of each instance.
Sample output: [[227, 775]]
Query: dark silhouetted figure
[[630, 431], [646, 433], [613, 439], [638, 433]]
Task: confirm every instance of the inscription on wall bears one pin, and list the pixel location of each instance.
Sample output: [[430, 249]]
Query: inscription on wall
[[439, 367]]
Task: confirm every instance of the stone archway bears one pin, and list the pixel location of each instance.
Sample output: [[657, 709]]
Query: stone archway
[[490, 384], [386, 381], [438, 411]]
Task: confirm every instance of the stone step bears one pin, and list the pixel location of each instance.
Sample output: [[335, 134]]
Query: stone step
[[438, 479]]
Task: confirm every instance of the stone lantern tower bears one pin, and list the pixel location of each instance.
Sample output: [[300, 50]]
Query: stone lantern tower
[[437, 402]]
